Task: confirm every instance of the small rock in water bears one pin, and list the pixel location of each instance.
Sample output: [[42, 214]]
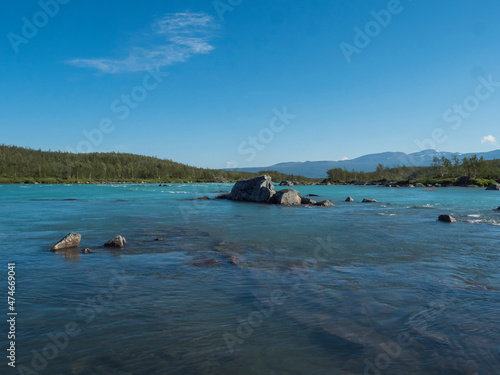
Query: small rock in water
[[324, 204], [349, 199], [312, 195], [202, 198], [117, 241], [369, 200], [205, 263], [87, 251], [307, 201], [447, 219], [234, 260], [498, 208], [221, 196], [160, 239], [70, 240], [495, 186]]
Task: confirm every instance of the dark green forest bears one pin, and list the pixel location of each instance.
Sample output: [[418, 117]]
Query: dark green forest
[[442, 170], [20, 165]]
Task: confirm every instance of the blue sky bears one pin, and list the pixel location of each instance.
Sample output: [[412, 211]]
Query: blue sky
[[250, 83]]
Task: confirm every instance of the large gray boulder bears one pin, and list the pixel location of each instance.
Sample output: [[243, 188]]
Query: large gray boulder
[[287, 197], [117, 241], [493, 187], [70, 240], [258, 189]]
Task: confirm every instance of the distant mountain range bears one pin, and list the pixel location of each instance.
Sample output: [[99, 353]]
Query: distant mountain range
[[367, 163]]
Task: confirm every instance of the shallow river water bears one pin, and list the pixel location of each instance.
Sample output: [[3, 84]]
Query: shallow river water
[[241, 288]]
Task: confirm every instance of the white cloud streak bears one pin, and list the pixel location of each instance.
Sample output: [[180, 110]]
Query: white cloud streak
[[490, 139], [173, 39]]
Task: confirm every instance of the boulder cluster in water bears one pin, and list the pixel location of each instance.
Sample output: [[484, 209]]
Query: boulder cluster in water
[[261, 190], [72, 240]]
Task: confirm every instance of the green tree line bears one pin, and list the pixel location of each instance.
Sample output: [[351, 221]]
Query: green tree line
[[442, 170], [18, 164]]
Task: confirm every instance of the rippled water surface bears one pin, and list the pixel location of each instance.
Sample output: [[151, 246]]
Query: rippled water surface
[[241, 288]]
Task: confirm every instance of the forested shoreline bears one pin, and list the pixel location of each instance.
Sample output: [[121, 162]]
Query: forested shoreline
[[443, 171], [23, 165]]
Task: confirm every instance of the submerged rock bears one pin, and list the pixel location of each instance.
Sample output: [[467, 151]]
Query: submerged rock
[[307, 201], [205, 263], [117, 241], [369, 200], [234, 260], [312, 195], [349, 199], [221, 196], [201, 198], [160, 239], [324, 204], [287, 197], [447, 218], [70, 240], [493, 187], [258, 189]]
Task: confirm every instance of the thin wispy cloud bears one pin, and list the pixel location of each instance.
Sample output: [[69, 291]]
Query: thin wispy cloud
[[490, 139], [172, 39]]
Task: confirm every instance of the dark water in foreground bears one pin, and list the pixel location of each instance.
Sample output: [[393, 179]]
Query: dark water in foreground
[[353, 289]]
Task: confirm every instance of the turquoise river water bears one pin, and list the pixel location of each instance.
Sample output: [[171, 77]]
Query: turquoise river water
[[243, 288]]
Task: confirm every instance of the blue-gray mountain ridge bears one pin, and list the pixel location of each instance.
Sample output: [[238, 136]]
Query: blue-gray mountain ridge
[[367, 163]]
